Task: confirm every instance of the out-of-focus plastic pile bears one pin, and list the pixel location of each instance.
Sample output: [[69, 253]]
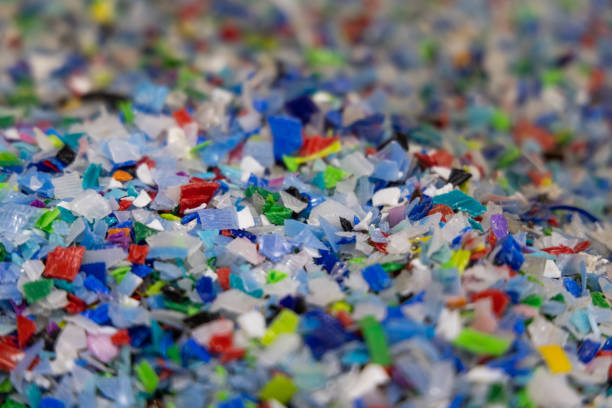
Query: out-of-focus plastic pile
[[305, 203]]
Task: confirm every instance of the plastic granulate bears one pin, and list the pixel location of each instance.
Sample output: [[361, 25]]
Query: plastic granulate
[[239, 204]]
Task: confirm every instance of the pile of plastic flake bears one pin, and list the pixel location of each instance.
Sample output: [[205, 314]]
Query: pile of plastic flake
[[319, 203]]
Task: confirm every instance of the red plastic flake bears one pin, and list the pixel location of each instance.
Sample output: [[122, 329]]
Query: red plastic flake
[[344, 318], [552, 221], [182, 117], [499, 300], [442, 158], [315, 144], [232, 354], [527, 131], [120, 338], [25, 330], [75, 305], [561, 249], [138, 253], [223, 276], [195, 194], [230, 32], [380, 246], [51, 166], [9, 355], [64, 263], [221, 342], [443, 209], [124, 204], [582, 246], [492, 239]]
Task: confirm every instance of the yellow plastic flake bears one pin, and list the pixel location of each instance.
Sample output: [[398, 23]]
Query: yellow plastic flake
[[103, 11], [285, 322], [555, 358], [155, 289], [170, 217], [459, 260], [341, 305], [293, 163], [56, 141]]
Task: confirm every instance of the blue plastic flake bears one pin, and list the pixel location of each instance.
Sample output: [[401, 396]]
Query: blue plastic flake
[[572, 287], [205, 289], [150, 97], [191, 349], [587, 350], [376, 277], [218, 219], [510, 253], [287, 135]]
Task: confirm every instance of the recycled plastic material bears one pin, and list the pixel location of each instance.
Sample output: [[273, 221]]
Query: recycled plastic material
[[234, 204]]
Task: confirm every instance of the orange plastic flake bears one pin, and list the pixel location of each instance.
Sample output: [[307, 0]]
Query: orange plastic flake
[[122, 175]]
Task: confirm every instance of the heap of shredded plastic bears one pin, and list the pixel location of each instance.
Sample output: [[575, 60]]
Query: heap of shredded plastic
[[321, 203]]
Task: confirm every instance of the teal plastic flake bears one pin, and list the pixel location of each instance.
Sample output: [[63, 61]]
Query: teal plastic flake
[[458, 200]]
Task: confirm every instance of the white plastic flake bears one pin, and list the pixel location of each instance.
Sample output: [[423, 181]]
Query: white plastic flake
[[386, 196], [323, 291], [551, 270], [552, 391], [371, 377], [253, 323], [246, 249], [67, 186], [142, 200], [91, 205]]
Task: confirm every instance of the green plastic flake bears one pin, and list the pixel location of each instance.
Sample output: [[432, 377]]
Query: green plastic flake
[[276, 214], [184, 307], [511, 154], [200, 146], [275, 276], [533, 300], [147, 376], [599, 300], [481, 343], [321, 57], [9, 403], [392, 267], [7, 121], [9, 159], [552, 77], [250, 190], [6, 386], [458, 200], [37, 290], [119, 273], [500, 121], [2, 252], [286, 322], [126, 108], [359, 260], [279, 388], [44, 222], [428, 50], [333, 175], [497, 394], [524, 400], [376, 340], [170, 217], [174, 353], [141, 232]]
